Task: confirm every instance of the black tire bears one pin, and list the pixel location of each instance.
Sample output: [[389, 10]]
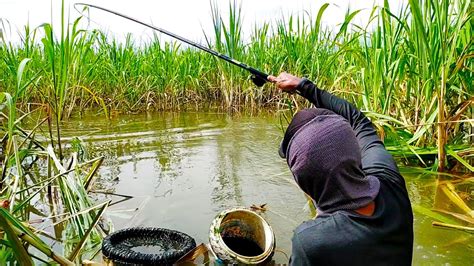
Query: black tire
[[118, 246]]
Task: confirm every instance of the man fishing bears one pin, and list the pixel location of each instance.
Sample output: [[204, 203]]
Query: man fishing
[[364, 214]]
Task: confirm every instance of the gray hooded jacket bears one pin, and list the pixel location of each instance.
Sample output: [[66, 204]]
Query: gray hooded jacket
[[337, 159]]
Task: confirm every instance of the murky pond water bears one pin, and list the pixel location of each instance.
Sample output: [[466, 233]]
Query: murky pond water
[[183, 168]]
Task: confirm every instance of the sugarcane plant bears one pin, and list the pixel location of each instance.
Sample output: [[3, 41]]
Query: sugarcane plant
[[41, 194]]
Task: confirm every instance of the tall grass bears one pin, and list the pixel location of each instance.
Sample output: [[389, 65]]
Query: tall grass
[[32, 177], [411, 72]]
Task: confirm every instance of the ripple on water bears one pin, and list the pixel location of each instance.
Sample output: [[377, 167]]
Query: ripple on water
[[192, 165]]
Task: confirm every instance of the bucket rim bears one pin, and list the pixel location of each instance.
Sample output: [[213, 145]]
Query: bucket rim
[[241, 258]]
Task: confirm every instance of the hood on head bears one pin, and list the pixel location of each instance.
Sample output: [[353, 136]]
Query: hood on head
[[299, 120], [324, 156]]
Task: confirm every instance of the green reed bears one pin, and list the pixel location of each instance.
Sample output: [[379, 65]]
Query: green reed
[[34, 181], [411, 72], [34, 184]]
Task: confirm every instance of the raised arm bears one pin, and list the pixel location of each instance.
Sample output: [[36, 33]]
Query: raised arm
[[375, 157]]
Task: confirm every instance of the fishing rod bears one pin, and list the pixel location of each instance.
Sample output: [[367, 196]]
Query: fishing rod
[[258, 77]]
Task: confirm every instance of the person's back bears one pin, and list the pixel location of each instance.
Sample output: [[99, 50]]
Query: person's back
[[364, 213], [349, 238]]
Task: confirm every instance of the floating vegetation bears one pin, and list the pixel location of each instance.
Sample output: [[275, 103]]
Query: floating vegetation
[[410, 72], [449, 209]]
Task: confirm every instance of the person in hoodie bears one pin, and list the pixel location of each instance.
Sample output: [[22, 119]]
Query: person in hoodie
[[364, 213]]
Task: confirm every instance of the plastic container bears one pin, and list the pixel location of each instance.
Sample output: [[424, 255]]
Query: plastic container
[[241, 236]]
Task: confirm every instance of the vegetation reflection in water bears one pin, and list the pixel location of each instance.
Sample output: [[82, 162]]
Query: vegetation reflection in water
[[183, 168], [410, 68], [412, 76]]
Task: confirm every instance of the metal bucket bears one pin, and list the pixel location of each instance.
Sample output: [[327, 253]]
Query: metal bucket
[[241, 236]]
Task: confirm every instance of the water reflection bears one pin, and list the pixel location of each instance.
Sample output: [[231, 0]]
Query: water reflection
[[228, 157], [452, 199], [436, 197], [184, 168]]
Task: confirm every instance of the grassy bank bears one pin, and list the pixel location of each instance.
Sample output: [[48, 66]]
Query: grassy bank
[[412, 72]]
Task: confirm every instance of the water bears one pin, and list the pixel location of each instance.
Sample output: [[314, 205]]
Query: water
[[148, 249], [149, 245], [184, 168], [243, 246]]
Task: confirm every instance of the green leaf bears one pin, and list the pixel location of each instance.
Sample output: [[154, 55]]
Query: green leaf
[[81, 243], [15, 243], [422, 130], [461, 160], [19, 225], [436, 216], [19, 75], [317, 24]]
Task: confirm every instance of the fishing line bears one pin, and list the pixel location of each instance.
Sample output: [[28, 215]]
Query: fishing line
[[258, 78]]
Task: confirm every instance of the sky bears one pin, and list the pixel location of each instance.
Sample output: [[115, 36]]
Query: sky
[[188, 18]]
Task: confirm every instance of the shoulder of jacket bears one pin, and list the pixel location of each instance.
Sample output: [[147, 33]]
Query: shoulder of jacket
[[318, 222]]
